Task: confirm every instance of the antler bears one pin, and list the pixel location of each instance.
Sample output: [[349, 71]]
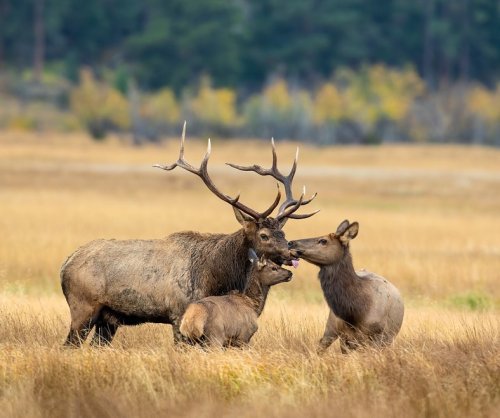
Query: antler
[[290, 205], [202, 172]]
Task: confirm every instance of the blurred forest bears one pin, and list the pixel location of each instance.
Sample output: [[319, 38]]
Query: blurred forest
[[337, 71]]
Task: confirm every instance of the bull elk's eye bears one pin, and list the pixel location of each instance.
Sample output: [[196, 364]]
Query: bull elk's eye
[[323, 241], [274, 269], [264, 237]]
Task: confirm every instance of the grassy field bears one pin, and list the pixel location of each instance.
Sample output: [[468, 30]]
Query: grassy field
[[429, 221]]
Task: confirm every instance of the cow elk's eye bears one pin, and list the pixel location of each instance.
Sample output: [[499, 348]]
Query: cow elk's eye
[[264, 237], [274, 269], [323, 241]]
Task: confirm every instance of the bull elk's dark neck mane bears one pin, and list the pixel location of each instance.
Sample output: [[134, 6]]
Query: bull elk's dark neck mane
[[343, 289], [227, 256]]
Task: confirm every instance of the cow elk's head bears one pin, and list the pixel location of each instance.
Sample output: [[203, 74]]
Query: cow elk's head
[[328, 249], [262, 231]]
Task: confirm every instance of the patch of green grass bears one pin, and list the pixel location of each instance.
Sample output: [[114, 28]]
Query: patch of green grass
[[474, 301]]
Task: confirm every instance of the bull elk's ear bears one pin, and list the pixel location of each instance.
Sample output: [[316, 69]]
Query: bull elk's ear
[[350, 233], [282, 222], [241, 217], [252, 255]]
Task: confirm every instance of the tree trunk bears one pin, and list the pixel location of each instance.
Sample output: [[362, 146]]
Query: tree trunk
[[465, 49], [428, 52], [39, 39]]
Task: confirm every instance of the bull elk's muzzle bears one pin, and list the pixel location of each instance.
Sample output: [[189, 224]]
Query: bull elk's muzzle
[[294, 251]]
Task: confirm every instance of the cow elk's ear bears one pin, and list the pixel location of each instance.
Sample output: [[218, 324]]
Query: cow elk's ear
[[342, 228], [350, 233]]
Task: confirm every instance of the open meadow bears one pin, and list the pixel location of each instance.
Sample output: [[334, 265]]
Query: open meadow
[[429, 221]]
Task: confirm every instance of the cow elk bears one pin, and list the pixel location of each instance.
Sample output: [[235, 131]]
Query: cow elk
[[231, 320], [108, 283], [365, 308]]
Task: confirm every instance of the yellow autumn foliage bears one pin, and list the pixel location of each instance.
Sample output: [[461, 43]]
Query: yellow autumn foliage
[[277, 96], [96, 103], [216, 106], [391, 92], [485, 103], [368, 96], [161, 107], [329, 104]]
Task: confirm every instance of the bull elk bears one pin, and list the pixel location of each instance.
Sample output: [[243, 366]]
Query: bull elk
[[231, 320], [365, 308], [108, 283]]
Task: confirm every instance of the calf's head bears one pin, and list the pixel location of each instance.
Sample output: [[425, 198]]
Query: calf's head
[[327, 249], [267, 272]]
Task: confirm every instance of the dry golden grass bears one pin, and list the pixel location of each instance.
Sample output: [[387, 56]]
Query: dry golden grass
[[429, 221], [445, 364]]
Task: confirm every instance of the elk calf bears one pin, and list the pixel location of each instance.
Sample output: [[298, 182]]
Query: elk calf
[[231, 320], [365, 309]]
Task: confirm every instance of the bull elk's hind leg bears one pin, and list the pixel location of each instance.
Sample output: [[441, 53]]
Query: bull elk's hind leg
[[104, 333], [83, 318], [350, 343]]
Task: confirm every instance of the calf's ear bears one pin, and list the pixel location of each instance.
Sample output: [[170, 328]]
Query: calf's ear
[[252, 255]]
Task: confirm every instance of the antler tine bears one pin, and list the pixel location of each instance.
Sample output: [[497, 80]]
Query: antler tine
[[273, 206], [285, 180], [289, 213], [202, 172], [293, 208], [303, 216], [180, 161]]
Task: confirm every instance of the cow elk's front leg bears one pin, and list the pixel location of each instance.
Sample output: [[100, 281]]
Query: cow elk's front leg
[[331, 332]]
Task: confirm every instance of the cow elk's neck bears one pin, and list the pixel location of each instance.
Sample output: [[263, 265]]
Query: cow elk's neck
[[343, 289]]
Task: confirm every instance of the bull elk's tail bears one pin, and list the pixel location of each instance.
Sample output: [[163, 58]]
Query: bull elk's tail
[[194, 320]]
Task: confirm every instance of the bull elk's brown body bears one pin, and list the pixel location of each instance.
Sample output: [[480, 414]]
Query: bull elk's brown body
[[365, 309], [231, 320], [108, 283]]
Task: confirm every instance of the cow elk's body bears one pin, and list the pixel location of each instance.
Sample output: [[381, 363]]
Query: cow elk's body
[[365, 309], [108, 283], [231, 320]]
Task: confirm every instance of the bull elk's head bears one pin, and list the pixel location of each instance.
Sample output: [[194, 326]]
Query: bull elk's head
[[262, 231]]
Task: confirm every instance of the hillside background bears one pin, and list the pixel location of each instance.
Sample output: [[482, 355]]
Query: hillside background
[[338, 71]]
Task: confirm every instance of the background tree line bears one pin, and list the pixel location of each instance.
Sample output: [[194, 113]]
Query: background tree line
[[189, 47]]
